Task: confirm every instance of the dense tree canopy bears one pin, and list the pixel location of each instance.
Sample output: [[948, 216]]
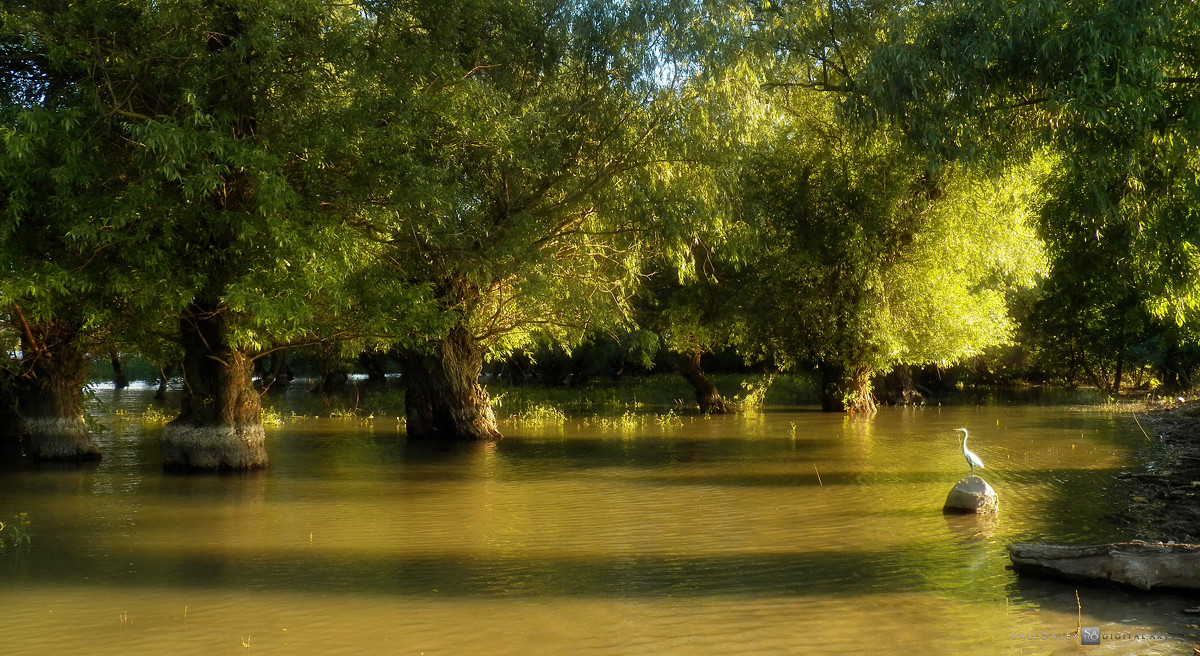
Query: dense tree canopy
[[870, 262], [845, 187], [526, 152], [1111, 88], [193, 138]]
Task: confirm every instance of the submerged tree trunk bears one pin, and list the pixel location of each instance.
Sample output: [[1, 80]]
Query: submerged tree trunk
[[832, 397], [164, 374], [845, 390], [120, 380], [280, 375], [707, 396], [331, 365], [49, 392], [220, 421], [861, 397], [444, 401], [10, 421], [375, 364], [898, 387], [331, 381]]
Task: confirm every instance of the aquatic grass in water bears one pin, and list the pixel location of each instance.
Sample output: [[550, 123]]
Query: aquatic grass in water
[[755, 393], [627, 420], [16, 532], [532, 404], [633, 420], [628, 403], [538, 415], [152, 415], [669, 418], [271, 417], [658, 391]]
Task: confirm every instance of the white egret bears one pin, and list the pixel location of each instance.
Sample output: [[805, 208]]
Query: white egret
[[972, 459]]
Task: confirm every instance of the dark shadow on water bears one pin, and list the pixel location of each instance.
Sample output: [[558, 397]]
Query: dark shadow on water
[[431, 450], [26, 464], [223, 474], [802, 478], [581, 453], [767, 574], [1106, 605]]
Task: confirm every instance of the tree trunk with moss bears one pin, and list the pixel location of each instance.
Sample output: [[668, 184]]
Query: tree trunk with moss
[[708, 397], [49, 392], [219, 426], [444, 401]]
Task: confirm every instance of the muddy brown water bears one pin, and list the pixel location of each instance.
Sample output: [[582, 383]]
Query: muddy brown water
[[781, 532]]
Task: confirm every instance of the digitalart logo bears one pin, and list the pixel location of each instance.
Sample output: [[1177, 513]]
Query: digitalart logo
[[1090, 635]]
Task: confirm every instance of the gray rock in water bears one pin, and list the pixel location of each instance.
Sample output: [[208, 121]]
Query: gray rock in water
[[972, 495]]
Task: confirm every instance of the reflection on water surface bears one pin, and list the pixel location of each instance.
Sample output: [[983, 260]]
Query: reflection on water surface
[[780, 532]]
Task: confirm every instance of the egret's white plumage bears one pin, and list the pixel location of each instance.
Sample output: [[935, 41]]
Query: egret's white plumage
[[972, 460]]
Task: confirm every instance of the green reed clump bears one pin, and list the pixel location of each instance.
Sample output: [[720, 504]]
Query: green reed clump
[[754, 395], [627, 420], [539, 415], [271, 417], [348, 413], [632, 420], [153, 415], [668, 418]]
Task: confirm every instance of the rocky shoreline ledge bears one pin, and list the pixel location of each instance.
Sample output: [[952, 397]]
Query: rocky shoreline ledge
[[1161, 499]]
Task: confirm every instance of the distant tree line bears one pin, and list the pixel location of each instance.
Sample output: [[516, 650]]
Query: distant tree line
[[869, 191]]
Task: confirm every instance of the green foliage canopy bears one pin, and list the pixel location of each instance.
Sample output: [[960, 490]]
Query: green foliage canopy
[[524, 154], [1109, 86], [873, 263]]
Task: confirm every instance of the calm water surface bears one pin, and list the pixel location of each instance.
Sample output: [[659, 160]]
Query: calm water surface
[[783, 532]]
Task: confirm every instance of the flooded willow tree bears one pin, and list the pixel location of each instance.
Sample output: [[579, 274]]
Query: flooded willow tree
[[443, 399], [536, 167], [869, 261], [220, 421], [708, 397], [208, 190], [48, 389]]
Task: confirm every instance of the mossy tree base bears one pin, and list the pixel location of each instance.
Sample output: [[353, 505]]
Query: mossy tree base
[[59, 438], [213, 448], [49, 392], [220, 421]]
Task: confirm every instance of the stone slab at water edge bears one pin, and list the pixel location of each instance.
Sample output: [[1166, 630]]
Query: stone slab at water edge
[[1143, 565]]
